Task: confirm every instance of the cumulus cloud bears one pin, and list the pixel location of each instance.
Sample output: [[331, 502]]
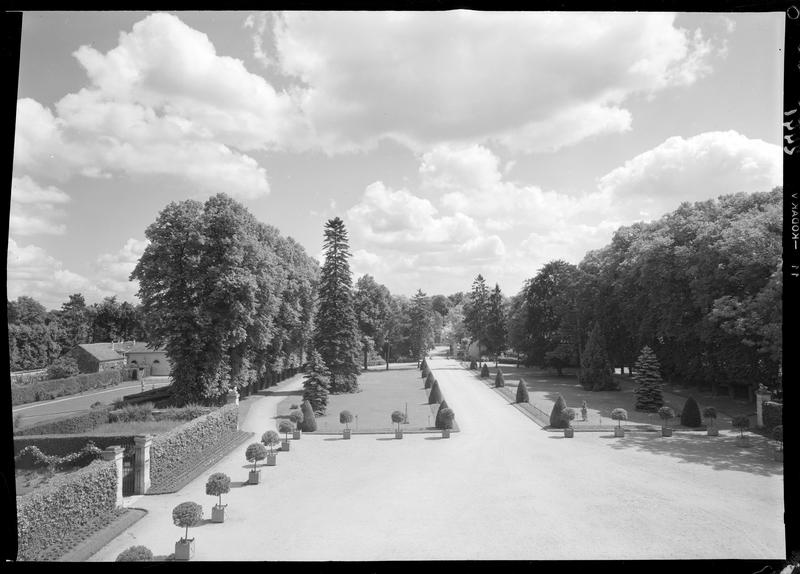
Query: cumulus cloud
[[531, 81], [35, 209], [114, 269], [693, 169]]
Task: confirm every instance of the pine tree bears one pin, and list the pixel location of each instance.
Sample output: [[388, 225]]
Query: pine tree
[[309, 423], [646, 372], [690, 415], [438, 423], [316, 384], [496, 331], [522, 392], [557, 419], [476, 310], [595, 374], [337, 336], [421, 325]]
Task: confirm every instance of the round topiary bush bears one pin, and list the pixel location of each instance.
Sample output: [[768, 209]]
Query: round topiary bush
[[690, 416], [257, 451], [309, 423], [270, 439], [522, 392], [485, 371], [619, 415], [218, 484], [666, 413], [499, 381], [710, 413], [188, 514], [568, 415], [296, 417], [397, 418], [557, 414], [741, 422], [135, 554], [429, 380], [346, 417], [285, 427], [435, 396], [447, 416]]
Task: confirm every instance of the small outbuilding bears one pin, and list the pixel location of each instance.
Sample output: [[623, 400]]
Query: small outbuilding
[[96, 357], [140, 355]]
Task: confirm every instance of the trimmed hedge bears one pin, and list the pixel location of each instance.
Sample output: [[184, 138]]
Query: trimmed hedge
[[59, 445], [522, 392], [556, 415], [172, 452], [435, 396], [690, 416], [69, 425], [499, 380], [67, 503], [772, 414], [46, 390]]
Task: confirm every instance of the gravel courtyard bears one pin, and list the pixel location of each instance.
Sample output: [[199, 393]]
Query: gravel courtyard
[[502, 488]]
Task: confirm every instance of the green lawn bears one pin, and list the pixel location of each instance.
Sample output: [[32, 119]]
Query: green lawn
[[544, 388], [382, 392]]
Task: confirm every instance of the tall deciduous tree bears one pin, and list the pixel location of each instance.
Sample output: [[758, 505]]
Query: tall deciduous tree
[[337, 335]]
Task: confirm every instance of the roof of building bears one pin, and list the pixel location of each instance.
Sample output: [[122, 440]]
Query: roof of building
[[139, 347], [102, 351]]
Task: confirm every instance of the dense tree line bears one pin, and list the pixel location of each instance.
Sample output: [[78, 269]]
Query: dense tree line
[[700, 286], [229, 297], [38, 337]]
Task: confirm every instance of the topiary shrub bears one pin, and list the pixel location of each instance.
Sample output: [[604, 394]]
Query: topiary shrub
[[435, 396], [270, 439], [522, 392], [188, 514], [473, 366], [346, 417], [397, 418], [710, 413], [285, 427], [256, 452], [690, 416], [619, 415], [296, 416], [438, 422], [309, 423], [429, 380], [557, 414], [485, 371], [666, 414], [218, 484], [568, 416], [424, 365], [499, 381], [447, 416], [741, 422], [135, 554]]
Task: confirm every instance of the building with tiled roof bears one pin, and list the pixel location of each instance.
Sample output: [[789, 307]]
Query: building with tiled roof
[[96, 357]]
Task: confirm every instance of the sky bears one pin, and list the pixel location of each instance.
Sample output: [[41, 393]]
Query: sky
[[450, 143]]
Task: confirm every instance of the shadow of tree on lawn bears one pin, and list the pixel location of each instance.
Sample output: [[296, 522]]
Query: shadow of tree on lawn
[[721, 453]]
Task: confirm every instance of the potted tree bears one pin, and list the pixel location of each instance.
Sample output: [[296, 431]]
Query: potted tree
[[270, 439], [742, 422], [568, 415], [666, 413], [619, 415], [254, 453], [285, 427], [710, 414], [135, 554], [397, 418], [296, 416], [446, 417], [218, 484], [346, 417], [186, 514], [777, 434]]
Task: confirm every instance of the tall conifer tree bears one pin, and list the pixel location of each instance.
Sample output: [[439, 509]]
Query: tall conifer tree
[[595, 372], [647, 372]]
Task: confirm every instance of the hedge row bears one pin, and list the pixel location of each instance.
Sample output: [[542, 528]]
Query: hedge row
[[33, 457], [69, 425], [46, 390], [68, 503], [59, 445], [173, 451], [23, 379], [773, 414]]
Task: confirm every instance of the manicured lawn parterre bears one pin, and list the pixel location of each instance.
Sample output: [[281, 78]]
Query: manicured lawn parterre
[[544, 388], [381, 393]]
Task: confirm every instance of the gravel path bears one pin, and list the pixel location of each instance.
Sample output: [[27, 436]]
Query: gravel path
[[500, 489]]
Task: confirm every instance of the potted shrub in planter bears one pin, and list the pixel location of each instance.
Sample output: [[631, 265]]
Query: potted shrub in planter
[[285, 427], [185, 515], [568, 415], [270, 439], [666, 413], [777, 434], [397, 418], [296, 417], [346, 417], [446, 417], [218, 484], [254, 453], [619, 415], [710, 414], [742, 422]]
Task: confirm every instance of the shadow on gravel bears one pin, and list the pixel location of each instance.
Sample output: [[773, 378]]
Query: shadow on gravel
[[721, 453], [392, 438], [333, 438], [434, 438], [239, 484]]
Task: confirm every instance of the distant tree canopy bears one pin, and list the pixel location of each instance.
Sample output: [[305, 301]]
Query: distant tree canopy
[[226, 294]]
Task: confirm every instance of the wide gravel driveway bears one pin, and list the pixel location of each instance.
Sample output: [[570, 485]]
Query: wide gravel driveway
[[502, 488]]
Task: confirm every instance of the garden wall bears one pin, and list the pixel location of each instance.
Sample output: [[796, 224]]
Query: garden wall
[[175, 451], [61, 445], [69, 425], [66, 504], [46, 390], [773, 414]]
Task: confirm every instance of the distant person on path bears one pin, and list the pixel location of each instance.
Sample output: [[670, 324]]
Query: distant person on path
[[583, 410]]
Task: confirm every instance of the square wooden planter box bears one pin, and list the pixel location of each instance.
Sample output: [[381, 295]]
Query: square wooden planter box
[[184, 549], [666, 432], [296, 434], [346, 434], [285, 445], [272, 459], [254, 477], [569, 433], [445, 433], [619, 431], [398, 434], [218, 513]]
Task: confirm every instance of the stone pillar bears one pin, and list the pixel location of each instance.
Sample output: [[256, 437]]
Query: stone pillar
[[141, 463], [115, 453], [233, 397], [760, 399]]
